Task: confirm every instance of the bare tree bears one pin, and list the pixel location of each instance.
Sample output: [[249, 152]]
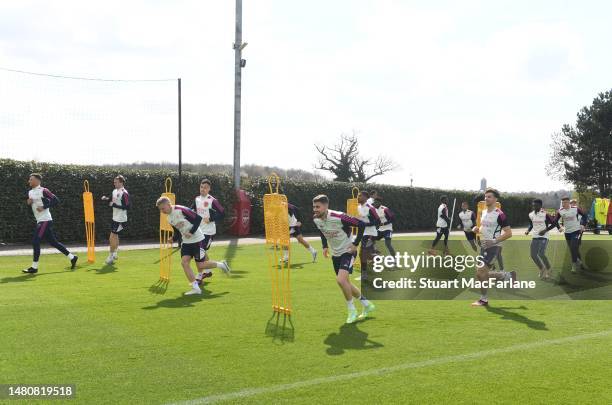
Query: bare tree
[[344, 161]]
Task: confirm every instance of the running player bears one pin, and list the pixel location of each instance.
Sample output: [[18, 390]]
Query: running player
[[442, 225], [367, 215], [188, 224], [385, 230], [539, 220], [494, 229], [120, 202], [335, 230], [574, 221], [41, 199], [209, 208], [467, 220], [295, 230]]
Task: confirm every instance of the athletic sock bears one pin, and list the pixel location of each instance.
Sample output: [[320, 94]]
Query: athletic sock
[[35, 265], [350, 304], [195, 284], [484, 298], [70, 256], [364, 302], [311, 249]]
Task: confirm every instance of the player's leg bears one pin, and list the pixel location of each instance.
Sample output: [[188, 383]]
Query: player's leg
[[189, 251], [484, 273], [49, 235], [437, 238], [471, 238], [366, 254], [534, 250], [544, 259], [388, 236], [205, 265], [36, 237], [446, 235], [304, 243], [343, 265]]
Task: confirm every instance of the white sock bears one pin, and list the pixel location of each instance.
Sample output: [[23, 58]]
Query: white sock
[[195, 285], [199, 276], [311, 249], [35, 265], [484, 298], [114, 254], [70, 256], [350, 304], [364, 302]]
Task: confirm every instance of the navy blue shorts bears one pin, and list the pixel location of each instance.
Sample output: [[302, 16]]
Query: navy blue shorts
[[343, 262], [195, 250], [117, 227], [208, 241], [489, 254], [295, 231], [573, 235], [384, 234]]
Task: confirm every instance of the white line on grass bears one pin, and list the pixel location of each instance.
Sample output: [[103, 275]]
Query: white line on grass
[[249, 392]]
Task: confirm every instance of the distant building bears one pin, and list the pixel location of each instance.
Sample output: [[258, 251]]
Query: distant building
[[483, 184]]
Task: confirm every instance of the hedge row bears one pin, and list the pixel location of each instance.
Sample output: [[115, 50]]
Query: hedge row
[[66, 181], [415, 208]]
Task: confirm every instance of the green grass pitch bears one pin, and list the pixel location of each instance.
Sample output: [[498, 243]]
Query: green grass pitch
[[105, 331]]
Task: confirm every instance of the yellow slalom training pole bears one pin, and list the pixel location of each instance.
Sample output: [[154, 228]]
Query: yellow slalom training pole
[[90, 223], [352, 209], [276, 222], [166, 233]]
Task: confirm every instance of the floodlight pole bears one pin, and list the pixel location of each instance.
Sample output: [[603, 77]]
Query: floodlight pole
[[237, 92], [180, 145]]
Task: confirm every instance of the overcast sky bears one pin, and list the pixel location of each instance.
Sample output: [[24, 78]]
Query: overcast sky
[[452, 91]]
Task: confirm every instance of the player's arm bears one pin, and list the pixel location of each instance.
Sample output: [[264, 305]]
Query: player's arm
[[373, 217], [445, 217], [530, 227], [217, 212], [323, 243], [583, 218], [554, 222], [49, 199], [347, 220], [506, 231]]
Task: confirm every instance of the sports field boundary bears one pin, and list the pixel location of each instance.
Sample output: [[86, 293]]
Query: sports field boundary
[[250, 392]]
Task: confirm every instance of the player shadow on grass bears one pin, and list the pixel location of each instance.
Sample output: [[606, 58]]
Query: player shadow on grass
[[185, 301], [516, 317], [106, 269], [280, 328], [29, 277], [349, 337]]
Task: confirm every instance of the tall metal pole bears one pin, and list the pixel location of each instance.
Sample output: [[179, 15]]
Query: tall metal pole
[[237, 92], [180, 144]]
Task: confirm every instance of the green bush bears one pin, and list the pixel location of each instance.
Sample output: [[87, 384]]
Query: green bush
[[415, 208]]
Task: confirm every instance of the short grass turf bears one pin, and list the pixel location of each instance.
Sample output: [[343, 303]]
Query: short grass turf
[[105, 330]]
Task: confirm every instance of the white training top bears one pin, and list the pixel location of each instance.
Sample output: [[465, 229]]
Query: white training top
[[37, 194], [466, 220], [539, 221], [441, 223], [122, 199], [364, 215], [491, 224], [204, 204], [181, 218]]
